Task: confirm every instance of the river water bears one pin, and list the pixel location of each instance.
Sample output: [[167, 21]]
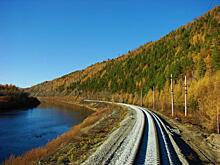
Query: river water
[[22, 130]]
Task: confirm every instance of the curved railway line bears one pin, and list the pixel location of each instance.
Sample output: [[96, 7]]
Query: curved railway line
[[146, 140]]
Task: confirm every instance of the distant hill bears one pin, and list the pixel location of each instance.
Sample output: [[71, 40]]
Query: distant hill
[[192, 50], [11, 98]]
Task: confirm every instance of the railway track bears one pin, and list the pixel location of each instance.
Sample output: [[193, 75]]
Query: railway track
[[145, 141], [157, 145]]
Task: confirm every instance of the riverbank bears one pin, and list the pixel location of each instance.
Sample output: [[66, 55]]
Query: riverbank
[[68, 101], [81, 141]]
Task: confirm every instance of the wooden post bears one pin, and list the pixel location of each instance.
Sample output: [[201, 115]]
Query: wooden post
[[153, 99], [218, 129], [172, 101], [185, 97]]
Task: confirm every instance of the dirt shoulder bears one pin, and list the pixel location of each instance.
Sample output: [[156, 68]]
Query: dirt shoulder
[[206, 145], [76, 145]]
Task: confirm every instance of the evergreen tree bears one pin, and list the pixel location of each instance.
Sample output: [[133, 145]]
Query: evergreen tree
[[216, 59], [201, 68]]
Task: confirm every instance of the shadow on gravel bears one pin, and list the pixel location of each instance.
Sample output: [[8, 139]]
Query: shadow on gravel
[[190, 155], [141, 154]]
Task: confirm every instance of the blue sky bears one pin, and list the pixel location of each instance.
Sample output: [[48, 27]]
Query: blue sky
[[44, 39]]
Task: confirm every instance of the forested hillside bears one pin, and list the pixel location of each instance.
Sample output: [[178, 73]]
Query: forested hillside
[[192, 50]]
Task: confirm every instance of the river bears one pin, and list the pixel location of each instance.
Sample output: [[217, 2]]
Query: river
[[22, 130]]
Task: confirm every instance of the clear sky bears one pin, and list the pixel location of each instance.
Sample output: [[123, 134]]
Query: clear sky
[[44, 39]]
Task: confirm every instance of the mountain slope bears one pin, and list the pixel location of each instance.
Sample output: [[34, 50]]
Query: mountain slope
[[192, 50]]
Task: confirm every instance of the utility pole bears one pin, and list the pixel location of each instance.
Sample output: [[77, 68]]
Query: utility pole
[[171, 87], [218, 129], [185, 97], [141, 98], [153, 99]]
